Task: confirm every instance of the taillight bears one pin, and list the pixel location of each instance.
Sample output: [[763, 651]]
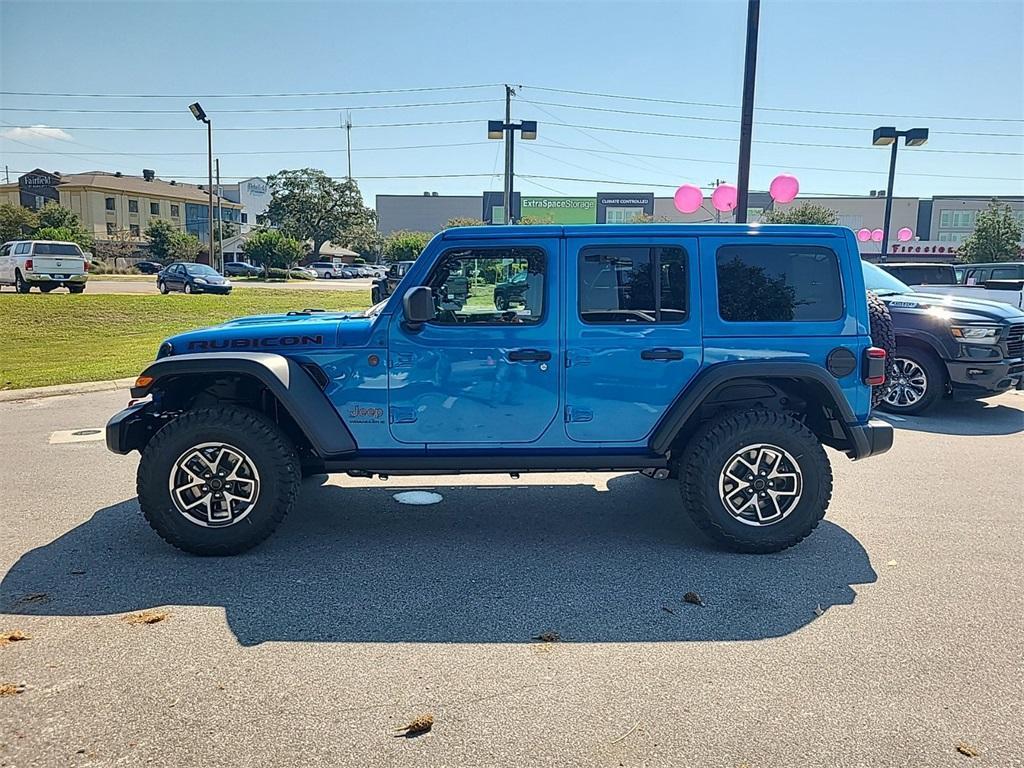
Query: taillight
[[874, 366], [28, 265], [86, 265]]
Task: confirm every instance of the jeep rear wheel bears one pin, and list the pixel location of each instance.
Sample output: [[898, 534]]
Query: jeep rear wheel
[[755, 481], [217, 481]]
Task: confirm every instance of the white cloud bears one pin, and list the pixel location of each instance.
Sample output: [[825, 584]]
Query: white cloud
[[36, 132]]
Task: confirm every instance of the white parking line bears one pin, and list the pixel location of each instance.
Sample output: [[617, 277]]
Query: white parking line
[[85, 435]]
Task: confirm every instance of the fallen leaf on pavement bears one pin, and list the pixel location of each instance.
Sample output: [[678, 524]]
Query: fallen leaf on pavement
[[891, 563], [146, 617], [419, 724], [548, 637], [666, 609], [14, 636], [10, 689], [693, 598], [966, 749]]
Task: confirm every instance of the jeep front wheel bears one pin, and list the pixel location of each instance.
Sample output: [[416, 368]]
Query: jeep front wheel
[[755, 481], [217, 481]]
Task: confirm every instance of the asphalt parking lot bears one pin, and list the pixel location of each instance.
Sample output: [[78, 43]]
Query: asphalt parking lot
[[890, 636]]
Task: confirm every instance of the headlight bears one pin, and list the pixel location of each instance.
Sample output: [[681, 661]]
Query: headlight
[[976, 334], [226, 282], [201, 280]]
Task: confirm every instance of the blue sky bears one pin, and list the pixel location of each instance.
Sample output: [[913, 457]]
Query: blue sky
[[902, 62]]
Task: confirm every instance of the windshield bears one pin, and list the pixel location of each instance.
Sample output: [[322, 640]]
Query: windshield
[[881, 282], [201, 269]]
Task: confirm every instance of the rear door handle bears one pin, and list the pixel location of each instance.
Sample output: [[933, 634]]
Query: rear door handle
[[661, 353], [528, 356]]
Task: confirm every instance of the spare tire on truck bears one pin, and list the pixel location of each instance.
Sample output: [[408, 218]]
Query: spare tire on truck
[[882, 335]]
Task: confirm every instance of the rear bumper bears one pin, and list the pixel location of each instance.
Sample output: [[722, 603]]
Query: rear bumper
[[45, 277], [869, 439]]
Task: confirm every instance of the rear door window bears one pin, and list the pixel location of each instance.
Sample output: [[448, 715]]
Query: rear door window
[[21, 248], [778, 283], [632, 284]]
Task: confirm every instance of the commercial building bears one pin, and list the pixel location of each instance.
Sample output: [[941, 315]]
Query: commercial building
[[112, 204], [938, 224], [254, 197]]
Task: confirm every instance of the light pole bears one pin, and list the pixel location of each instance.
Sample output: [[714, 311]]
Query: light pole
[[497, 129], [200, 115], [884, 136], [747, 110]]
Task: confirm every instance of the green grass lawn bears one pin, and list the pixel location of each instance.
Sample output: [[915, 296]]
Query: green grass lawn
[[58, 338]]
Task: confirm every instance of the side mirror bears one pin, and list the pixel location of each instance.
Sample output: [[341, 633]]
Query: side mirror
[[418, 307]]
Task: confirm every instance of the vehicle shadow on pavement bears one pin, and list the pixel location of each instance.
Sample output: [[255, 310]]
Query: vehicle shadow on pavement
[[487, 564], [965, 418]]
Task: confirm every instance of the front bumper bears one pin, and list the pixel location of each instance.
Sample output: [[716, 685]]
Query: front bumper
[[200, 288], [869, 439], [130, 429], [980, 379], [43, 277]]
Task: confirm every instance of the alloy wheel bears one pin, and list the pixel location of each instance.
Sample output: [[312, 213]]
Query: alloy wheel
[[908, 385], [214, 485], [760, 484]]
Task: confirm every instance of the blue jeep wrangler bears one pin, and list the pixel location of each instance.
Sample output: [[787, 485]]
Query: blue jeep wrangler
[[724, 356]]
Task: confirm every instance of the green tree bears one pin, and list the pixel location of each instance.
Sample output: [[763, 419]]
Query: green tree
[[65, 234], [307, 204], [459, 221], [404, 245], [53, 216], [119, 245], [16, 222], [996, 236], [805, 213], [273, 248], [159, 233], [364, 238], [183, 246]]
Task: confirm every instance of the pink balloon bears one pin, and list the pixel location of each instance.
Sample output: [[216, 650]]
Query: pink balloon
[[688, 198], [876, 235], [904, 234], [784, 188], [724, 197], [864, 234]]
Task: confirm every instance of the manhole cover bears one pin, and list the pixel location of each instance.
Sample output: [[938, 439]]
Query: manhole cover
[[84, 432], [417, 497]]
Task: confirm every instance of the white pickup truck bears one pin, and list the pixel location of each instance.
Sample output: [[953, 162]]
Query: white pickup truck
[[1007, 291], [46, 264]]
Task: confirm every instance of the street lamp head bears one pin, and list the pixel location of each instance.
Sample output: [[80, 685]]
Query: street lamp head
[[197, 112], [884, 136], [495, 129], [915, 137], [528, 129]]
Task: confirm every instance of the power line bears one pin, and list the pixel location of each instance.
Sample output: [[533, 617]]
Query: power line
[[759, 122], [775, 109], [261, 152], [248, 95], [249, 128], [246, 111]]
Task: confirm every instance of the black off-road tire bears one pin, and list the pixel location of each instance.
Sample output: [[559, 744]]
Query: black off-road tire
[[20, 284], [882, 335], [714, 445], [259, 438], [935, 376]]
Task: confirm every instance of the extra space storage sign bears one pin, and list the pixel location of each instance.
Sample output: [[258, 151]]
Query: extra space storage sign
[[559, 210]]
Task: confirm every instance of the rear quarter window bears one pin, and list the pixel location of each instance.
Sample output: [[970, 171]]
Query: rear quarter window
[[764, 283]]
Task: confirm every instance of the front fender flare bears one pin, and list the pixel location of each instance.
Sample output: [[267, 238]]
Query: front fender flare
[[286, 380]]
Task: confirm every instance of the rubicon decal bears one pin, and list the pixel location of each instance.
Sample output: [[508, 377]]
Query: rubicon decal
[[266, 342]]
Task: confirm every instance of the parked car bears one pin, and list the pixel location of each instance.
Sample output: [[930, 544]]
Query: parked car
[[976, 274], [921, 274], [733, 397], [148, 267], [384, 286], [45, 264], [327, 269], [511, 292], [946, 345], [241, 269], [191, 278], [304, 272]]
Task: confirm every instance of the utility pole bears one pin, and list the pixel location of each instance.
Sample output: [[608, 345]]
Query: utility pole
[[220, 221], [348, 142], [509, 138], [747, 111], [7, 173]]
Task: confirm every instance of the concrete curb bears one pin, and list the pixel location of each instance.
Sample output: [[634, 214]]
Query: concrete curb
[[14, 395]]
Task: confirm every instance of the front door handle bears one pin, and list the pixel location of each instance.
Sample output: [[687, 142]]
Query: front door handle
[[528, 356], [661, 353]]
